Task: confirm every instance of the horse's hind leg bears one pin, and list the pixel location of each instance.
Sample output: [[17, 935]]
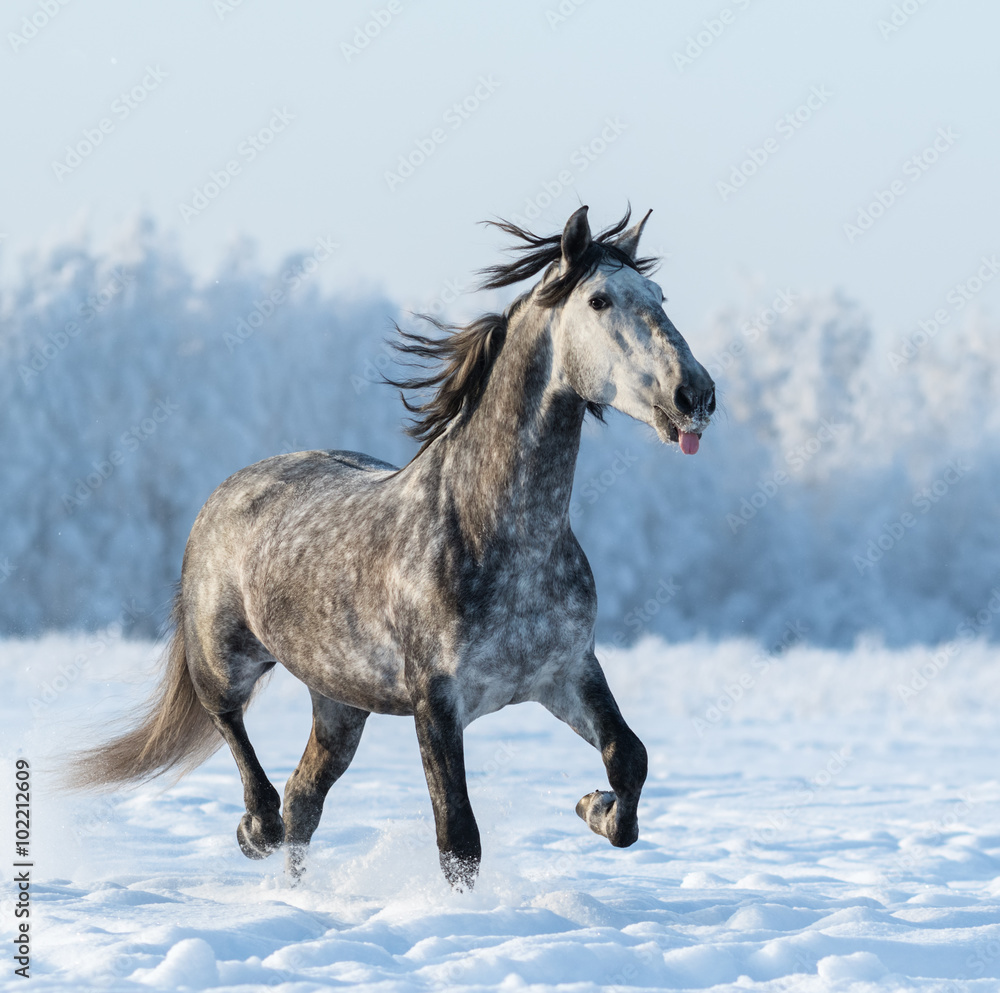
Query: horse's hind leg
[[224, 672], [336, 731], [586, 704], [261, 829]]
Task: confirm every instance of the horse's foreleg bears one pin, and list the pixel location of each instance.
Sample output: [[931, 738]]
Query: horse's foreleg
[[439, 733], [336, 731], [586, 704], [261, 830]]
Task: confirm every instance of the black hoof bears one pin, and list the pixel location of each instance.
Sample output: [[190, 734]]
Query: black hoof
[[460, 870], [295, 862], [258, 837]]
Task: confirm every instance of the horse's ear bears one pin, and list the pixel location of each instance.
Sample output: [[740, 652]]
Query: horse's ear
[[575, 238], [629, 241]]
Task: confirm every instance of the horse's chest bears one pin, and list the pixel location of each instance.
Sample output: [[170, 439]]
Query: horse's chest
[[525, 622], [530, 624]]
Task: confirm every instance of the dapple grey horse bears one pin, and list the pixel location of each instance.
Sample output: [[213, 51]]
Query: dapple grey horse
[[444, 590]]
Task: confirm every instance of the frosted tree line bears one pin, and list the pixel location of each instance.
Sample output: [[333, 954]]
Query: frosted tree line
[[848, 489]]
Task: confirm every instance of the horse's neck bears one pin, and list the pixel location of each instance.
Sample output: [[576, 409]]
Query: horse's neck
[[509, 467]]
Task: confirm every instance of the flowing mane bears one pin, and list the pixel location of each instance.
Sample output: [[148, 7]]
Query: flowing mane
[[463, 358]]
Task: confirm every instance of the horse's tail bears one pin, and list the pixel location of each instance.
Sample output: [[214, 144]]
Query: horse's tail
[[173, 732]]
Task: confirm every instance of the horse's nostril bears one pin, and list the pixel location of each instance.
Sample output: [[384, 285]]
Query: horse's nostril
[[689, 400], [685, 399]]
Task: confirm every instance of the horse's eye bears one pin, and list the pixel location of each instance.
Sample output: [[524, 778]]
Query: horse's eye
[[599, 302]]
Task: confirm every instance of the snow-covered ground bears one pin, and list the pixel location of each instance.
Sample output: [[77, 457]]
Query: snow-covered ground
[[813, 820]]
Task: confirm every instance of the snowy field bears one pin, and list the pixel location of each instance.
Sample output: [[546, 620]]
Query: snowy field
[[822, 831]]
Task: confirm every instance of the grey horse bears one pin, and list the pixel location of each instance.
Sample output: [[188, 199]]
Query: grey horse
[[443, 590]]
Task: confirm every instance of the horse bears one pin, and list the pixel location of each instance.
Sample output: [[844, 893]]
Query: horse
[[443, 590]]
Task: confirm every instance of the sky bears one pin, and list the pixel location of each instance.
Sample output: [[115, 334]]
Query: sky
[[781, 145]]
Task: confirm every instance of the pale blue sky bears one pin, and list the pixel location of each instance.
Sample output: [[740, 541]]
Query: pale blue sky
[[551, 88]]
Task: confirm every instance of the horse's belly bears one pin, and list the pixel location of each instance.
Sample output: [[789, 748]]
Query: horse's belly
[[372, 681]]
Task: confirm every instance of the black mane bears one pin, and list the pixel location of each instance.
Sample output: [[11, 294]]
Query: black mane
[[539, 253]]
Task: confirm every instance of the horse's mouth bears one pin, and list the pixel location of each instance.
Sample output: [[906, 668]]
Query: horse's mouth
[[671, 433]]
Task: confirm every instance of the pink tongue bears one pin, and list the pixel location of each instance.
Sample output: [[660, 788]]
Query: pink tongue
[[688, 442]]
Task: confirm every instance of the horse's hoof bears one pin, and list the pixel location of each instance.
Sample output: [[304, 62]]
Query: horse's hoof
[[258, 838], [599, 810], [595, 809], [460, 870], [295, 863]]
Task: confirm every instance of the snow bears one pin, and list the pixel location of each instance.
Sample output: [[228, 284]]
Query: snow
[[831, 826]]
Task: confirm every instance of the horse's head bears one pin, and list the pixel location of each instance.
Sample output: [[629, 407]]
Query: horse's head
[[615, 344]]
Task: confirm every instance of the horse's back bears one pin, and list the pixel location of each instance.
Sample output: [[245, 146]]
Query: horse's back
[[249, 491], [297, 467], [358, 460], [277, 494]]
